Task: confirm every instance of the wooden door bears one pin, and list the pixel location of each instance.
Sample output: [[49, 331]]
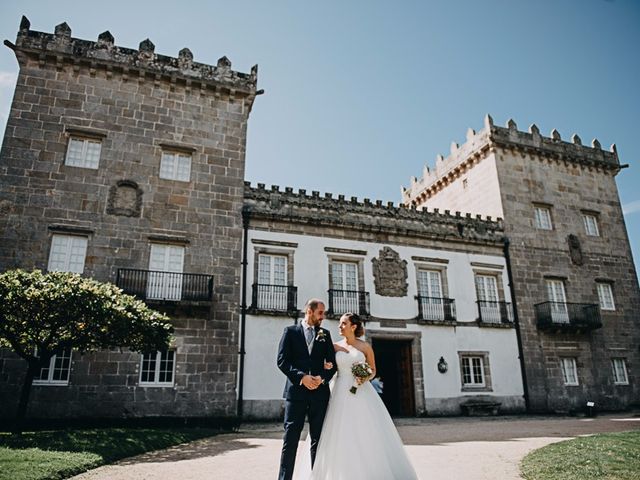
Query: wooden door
[[407, 399]]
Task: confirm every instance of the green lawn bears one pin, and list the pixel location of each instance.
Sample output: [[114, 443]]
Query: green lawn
[[608, 456], [57, 454]]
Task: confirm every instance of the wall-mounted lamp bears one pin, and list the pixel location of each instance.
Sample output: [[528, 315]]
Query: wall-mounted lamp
[[442, 365]]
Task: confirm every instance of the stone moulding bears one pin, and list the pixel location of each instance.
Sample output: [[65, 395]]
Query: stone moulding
[[390, 274], [125, 199], [492, 137], [374, 217], [60, 47]]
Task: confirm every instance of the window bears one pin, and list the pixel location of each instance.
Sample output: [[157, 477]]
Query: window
[[605, 296], [157, 369], [543, 218], [175, 166], [344, 295], [569, 371], [57, 372], [272, 269], [619, 366], [430, 292], [83, 152], [557, 301], [165, 276], [344, 276], [487, 288], [591, 225], [67, 253], [473, 371], [491, 309], [272, 291]]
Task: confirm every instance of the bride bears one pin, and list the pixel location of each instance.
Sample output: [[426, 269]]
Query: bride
[[358, 440]]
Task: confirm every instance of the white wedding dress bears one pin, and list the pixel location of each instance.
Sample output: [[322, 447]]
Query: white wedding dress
[[358, 441]]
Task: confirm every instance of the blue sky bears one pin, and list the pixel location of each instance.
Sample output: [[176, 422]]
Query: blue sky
[[361, 94]]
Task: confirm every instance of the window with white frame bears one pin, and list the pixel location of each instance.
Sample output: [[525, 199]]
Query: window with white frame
[[591, 224], [487, 288], [472, 371], [345, 296], [272, 269], [58, 370], [272, 291], [543, 217], [158, 368], [165, 278], [605, 296], [175, 166], [344, 276], [569, 371], [619, 366], [67, 253], [557, 301], [83, 152], [430, 295]]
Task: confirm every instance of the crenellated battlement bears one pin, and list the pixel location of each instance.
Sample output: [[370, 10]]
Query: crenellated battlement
[[509, 137], [61, 47], [350, 212]]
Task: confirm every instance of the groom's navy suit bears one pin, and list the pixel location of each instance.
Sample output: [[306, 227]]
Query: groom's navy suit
[[295, 361]]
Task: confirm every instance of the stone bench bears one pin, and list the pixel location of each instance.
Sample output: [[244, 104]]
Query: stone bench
[[480, 408]]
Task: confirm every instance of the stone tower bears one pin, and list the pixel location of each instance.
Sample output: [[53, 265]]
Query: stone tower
[[575, 283], [127, 166]]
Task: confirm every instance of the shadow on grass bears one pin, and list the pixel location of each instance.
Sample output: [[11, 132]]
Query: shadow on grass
[[110, 444]]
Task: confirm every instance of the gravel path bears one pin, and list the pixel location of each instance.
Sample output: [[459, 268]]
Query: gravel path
[[440, 449]]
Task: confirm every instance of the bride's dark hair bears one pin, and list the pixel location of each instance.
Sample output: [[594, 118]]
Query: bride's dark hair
[[354, 319]]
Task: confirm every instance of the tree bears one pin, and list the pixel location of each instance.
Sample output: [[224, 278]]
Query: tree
[[50, 312]]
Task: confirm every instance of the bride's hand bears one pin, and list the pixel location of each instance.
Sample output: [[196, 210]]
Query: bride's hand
[[328, 365]]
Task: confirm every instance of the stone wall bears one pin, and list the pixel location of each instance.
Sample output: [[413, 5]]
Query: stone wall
[[570, 189], [138, 104], [570, 179]]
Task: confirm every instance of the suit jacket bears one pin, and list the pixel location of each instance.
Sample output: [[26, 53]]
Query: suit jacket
[[295, 361]]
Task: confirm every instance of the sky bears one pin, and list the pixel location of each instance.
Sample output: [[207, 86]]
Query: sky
[[361, 94]]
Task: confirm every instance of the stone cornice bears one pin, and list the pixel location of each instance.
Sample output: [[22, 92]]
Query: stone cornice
[[492, 138], [60, 47], [318, 211]]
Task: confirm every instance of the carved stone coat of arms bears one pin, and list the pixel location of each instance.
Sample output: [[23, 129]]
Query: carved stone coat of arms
[[390, 274]]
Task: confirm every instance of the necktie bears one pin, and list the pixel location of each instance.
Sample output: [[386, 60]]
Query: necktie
[[309, 335]]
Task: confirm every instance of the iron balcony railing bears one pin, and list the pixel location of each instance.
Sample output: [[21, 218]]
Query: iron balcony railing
[[494, 312], [434, 308], [167, 286], [343, 301], [274, 298], [568, 315]]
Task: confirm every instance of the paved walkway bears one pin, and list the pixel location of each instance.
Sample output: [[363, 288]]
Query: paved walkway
[[440, 449]]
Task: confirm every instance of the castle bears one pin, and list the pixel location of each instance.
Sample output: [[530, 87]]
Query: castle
[[128, 166]]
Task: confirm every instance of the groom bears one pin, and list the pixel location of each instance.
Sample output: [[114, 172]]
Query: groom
[[301, 355]]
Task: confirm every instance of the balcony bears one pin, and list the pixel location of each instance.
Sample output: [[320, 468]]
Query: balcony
[[436, 309], [568, 316], [343, 301], [495, 313], [165, 286], [274, 298]]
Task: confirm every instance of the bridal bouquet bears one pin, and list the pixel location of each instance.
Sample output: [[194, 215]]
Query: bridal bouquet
[[360, 370]]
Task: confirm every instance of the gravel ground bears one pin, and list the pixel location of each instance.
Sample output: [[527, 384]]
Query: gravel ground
[[440, 449]]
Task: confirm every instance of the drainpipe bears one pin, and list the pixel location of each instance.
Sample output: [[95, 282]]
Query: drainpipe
[[243, 315], [516, 322]]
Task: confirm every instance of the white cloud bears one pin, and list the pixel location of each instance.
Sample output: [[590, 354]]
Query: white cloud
[[632, 207]]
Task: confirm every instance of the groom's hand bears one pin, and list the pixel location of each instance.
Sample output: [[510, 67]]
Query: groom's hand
[[311, 382]]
